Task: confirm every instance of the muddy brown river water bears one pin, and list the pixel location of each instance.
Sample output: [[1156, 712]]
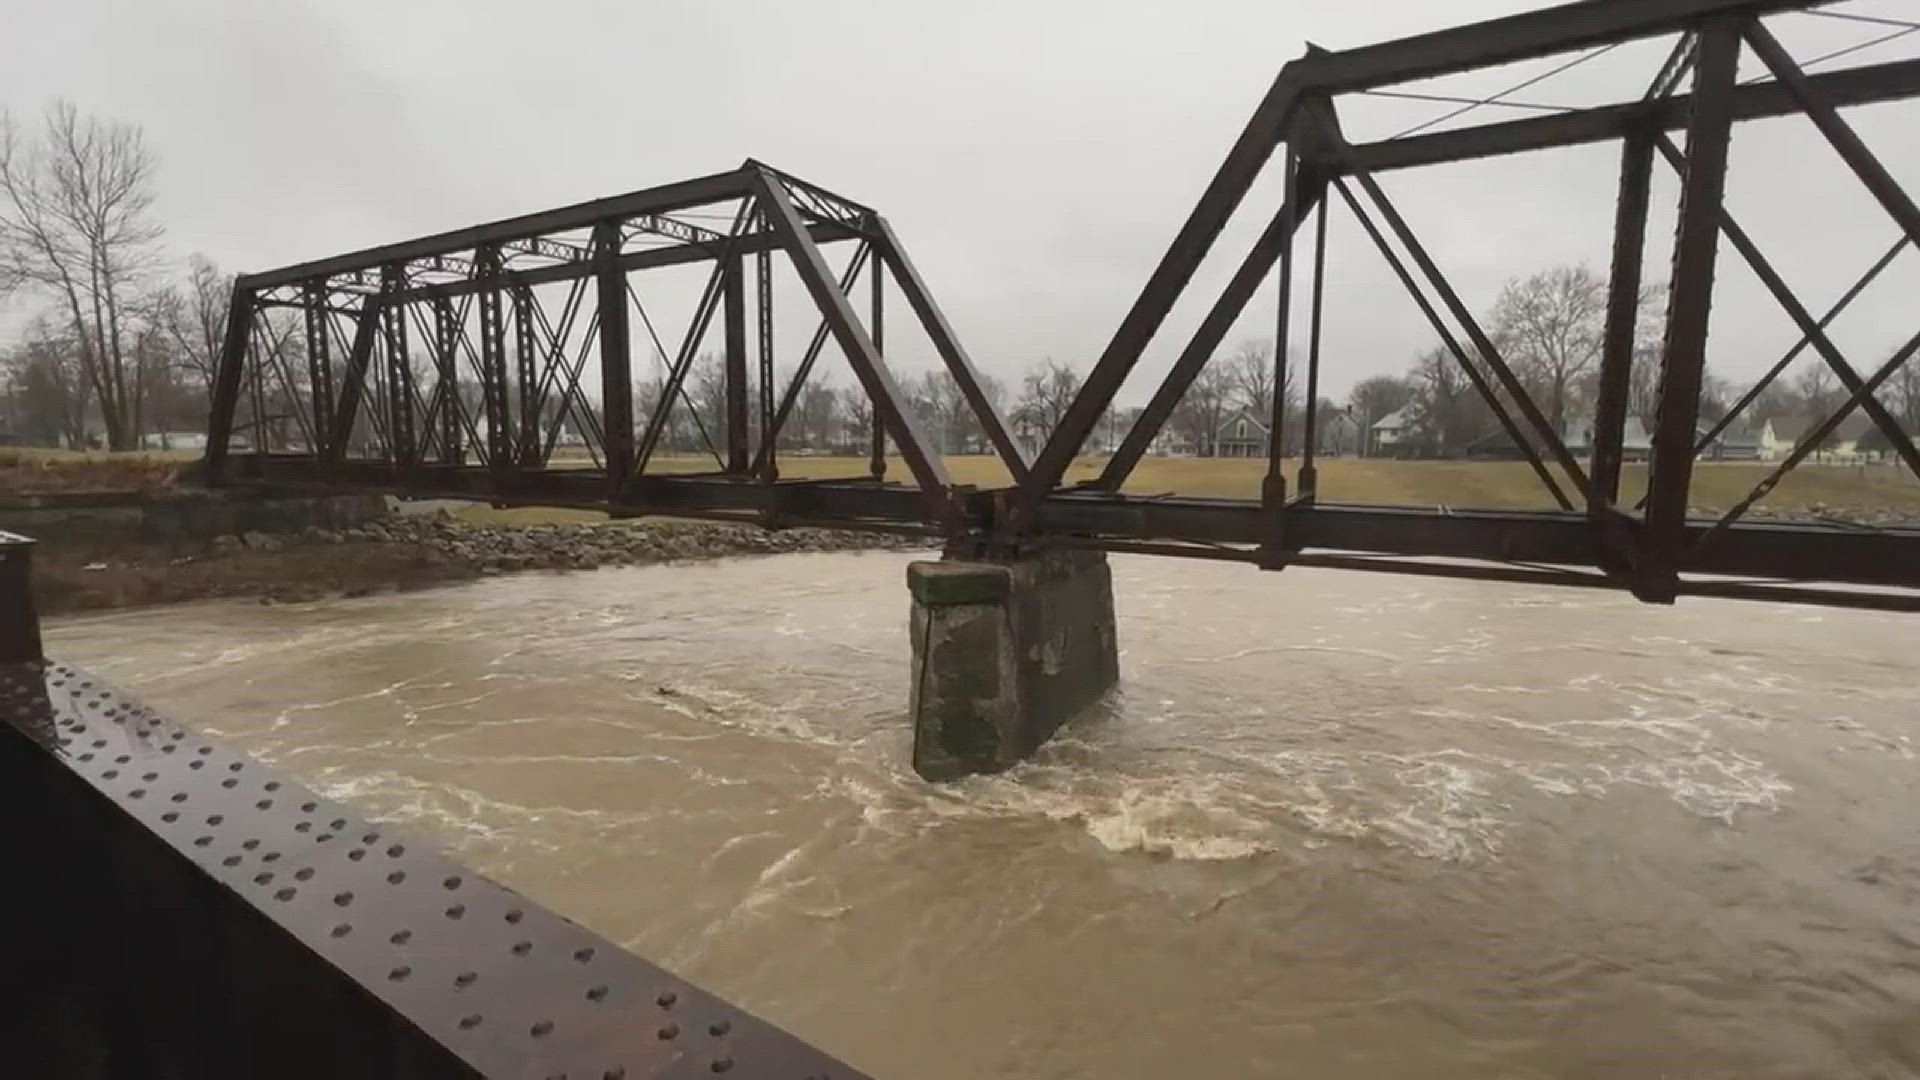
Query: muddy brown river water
[[1333, 825]]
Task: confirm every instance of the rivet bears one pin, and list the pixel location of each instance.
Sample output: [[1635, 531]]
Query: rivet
[[264, 804], [618, 1072], [195, 763], [150, 777], [111, 773], [204, 750], [583, 955], [202, 841], [342, 930], [234, 767], [522, 948], [720, 1027], [308, 807], [722, 1064], [271, 856], [303, 873], [304, 826], [357, 854], [229, 782], [343, 899], [250, 843], [231, 860], [337, 824], [666, 999], [179, 796], [215, 819], [370, 838], [598, 993], [396, 877], [170, 816], [88, 756], [399, 973], [451, 883], [456, 911], [669, 1031], [263, 877], [271, 785], [401, 937], [284, 894], [166, 748], [323, 838], [542, 1027], [516, 915], [122, 759], [464, 979], [396, 851], [470, 1021], [136, 793]]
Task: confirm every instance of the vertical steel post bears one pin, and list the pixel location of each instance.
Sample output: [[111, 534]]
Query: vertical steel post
[[526, 348], [1683, 364], [877, 459], [447, 332], [226, 383], [739, 445], [763, 274], [1622, 322], [1309, 478], [404, 444], [319, 367], [1274, 491], [616, 359], [257, 394], [493, 362], [19, 621]]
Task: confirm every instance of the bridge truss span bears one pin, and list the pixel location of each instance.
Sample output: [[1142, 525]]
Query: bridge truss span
[[387, 332]]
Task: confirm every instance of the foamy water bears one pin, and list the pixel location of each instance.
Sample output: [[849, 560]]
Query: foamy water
[[1330, 825]]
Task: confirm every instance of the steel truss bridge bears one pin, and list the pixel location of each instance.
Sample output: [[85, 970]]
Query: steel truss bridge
[[523, 308], [189, 911]]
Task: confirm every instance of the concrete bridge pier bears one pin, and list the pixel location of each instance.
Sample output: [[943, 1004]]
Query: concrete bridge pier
[[1004, 652]]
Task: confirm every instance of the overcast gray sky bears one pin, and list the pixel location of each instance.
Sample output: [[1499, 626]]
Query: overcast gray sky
[[1035, 157]]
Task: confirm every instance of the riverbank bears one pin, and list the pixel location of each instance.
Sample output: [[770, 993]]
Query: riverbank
[[391, 554]]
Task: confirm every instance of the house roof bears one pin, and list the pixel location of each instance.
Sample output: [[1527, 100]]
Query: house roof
[[1795, 428], [1243, 414], [1393, 421]]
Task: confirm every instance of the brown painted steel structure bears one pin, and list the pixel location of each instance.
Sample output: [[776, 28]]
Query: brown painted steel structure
[[221, 920], [183, 910], [394, 434]]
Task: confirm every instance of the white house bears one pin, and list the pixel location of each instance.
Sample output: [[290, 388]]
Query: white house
[[1392, 429]]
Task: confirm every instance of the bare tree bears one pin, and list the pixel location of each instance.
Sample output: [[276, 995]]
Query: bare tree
[[857, 418], [1203, 408], [1447, 410], [75, 223], [815, 413], [47, 393], [939, 401], [195, 317], [1903, 396], [1045, 393], [706, 391], [1819, 391], [1550, 326]]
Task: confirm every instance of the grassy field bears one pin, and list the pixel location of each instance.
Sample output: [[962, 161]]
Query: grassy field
[[1460, 484], [1420, 483]]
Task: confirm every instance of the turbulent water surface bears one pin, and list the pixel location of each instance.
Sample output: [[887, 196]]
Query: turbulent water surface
[[1332, 825]]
